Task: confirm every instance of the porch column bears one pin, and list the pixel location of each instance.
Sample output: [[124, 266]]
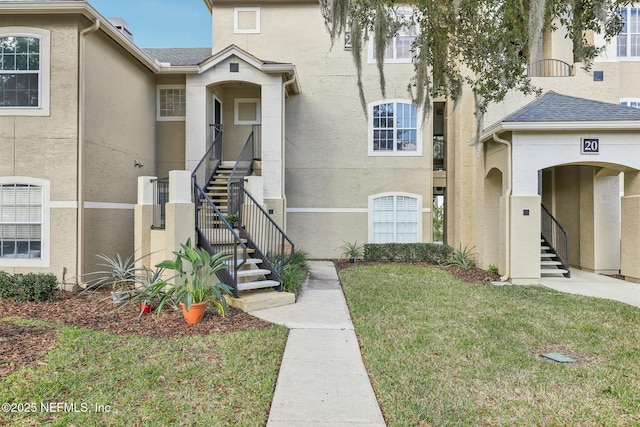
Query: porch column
[[525, 239], [630, 239], [273, 147], [196, 123], [143, 220]]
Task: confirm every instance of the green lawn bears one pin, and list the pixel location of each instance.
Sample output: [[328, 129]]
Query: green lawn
[[212, 380], [444, 352]]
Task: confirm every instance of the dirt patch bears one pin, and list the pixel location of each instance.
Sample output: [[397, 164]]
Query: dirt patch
[[22, 345]]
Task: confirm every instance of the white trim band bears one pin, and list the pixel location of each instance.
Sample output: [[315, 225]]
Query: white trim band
[[71, 204], [327, 210], [107, 205]]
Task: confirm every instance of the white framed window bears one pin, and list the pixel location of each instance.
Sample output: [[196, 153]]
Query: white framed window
[[394, 129], [246, 20], [246, 111], [395, 218], [24, 222], [24, 71], [630, 102], [628, 41], [171, 103], [399, 49]]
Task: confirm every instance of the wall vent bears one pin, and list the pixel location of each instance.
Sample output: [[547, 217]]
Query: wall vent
[[122, 26]]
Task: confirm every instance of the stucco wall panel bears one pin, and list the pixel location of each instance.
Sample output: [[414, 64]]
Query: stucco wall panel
[[170, 147], [107, 231]]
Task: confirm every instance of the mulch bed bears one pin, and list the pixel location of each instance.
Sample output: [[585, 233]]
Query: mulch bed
[[23, 345]]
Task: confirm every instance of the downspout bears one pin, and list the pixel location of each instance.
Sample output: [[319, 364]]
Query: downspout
[[284, 137], [507, 208], [80, 160]]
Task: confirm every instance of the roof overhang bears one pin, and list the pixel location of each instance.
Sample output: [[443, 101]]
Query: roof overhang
[[80, 8], [501, 127]]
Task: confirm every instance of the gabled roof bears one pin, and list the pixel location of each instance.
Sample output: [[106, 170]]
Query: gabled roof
[[554, 107], [179, 56], [556, 112]]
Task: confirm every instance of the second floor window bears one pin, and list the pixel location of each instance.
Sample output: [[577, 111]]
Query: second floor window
[[19, 71], [629, 37], [172, 103], [394, 128], [400, 48]]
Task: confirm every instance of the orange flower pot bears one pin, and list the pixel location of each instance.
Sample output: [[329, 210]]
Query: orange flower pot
[[195, 313], [144, 308]]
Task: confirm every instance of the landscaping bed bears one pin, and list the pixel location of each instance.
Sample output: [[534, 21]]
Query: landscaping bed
[[21, 345]]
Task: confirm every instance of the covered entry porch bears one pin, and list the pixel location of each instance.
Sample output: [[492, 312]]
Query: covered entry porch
[[580, 160]]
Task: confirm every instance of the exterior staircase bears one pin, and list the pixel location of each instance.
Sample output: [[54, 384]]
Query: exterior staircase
[[550, 266]]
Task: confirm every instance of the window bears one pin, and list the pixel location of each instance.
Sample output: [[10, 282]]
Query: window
[[20, 221], [24, 71], [393, 129], [172, 103], [630, 102], [394, 218], [400, 48], [246, 111], [629, 37], [246, 20]]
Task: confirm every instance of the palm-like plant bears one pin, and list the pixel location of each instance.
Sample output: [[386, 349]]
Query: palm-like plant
[[196, 284]]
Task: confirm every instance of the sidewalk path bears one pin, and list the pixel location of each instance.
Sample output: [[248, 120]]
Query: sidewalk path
[[322, 380]]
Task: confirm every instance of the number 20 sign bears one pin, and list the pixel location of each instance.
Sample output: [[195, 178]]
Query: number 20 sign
[[590, 146]]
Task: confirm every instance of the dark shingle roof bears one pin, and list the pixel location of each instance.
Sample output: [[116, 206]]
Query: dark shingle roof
[[553, 107], [180, 56]]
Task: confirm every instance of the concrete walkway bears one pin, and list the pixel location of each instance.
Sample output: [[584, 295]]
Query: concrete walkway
[[322, 380], [595, 285]]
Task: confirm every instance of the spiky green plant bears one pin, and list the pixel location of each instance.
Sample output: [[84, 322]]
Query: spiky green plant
[[463, 257]]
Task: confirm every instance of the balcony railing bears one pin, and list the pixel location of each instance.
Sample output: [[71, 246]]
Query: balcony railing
[[549, 68], [439, 151], [160, 199]]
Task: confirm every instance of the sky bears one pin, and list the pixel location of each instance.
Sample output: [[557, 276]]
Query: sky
[[161, 23]]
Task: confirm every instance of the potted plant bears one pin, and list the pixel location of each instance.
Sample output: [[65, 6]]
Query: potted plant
[[197, 286], [142, 294], [232, 219], [353, 251], [120, 275]]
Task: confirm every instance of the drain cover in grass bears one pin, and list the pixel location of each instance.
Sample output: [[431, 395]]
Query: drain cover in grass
[[558, 357]]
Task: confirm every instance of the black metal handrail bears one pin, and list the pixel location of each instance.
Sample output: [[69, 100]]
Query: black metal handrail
[[270, 241], [557, 238], [549, 68], [211, 159], [242, 168], [439, 146], [160, 199], [216, 234]]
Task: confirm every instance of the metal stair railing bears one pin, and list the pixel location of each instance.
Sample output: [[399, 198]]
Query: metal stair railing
[[216, 234], [211, 160], [557, 238], [242, 168], [262, 233]]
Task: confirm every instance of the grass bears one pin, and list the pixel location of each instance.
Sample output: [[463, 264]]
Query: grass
[[444, 352], [213, 380]]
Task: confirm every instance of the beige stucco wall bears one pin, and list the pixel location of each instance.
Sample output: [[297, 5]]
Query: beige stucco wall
[[120, 128], [45, 146], [329, 173]]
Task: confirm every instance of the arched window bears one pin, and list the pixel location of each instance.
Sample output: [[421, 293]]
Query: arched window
[[395, 218], [24, 71], [394, 129]]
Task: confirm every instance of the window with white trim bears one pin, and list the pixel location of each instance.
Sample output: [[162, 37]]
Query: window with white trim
[[630, 102], [171, 103], [24, 71], [246, 111], [394, 218], [393, 128], [246, 20], [629, 38], [21, 207], [399, 49]]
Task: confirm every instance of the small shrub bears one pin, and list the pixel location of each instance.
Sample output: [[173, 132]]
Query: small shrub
[[493, 270], [34, 287], [352, 250], [463, 258], [424, 252], [7, 285], [295, 272]]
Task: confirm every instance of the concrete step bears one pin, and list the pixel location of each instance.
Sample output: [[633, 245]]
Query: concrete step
[[550, 263], [552, 271], [258, 284], [227, 164], [544, 248], [250, 261], [548, 255], [261, 299], [253, 272]]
